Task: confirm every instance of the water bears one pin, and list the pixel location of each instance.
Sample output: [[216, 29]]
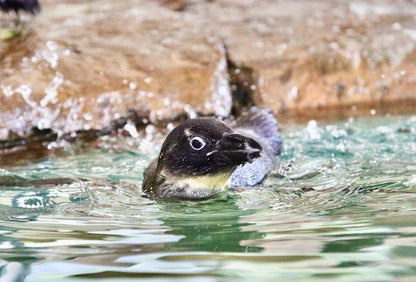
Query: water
[[341, 206]]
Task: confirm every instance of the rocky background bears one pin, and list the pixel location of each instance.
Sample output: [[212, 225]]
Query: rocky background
[[90, 67]]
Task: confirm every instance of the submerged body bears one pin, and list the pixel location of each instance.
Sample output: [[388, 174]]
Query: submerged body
[[200, 155]]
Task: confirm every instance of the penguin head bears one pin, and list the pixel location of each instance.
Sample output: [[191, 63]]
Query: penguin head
[[206, 146]]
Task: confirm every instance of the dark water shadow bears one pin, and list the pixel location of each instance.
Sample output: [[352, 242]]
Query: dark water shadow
[[214, 225]]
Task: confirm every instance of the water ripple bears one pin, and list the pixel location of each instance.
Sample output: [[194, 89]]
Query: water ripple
[[341, 206]]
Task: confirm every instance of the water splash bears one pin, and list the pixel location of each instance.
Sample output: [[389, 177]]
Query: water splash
[[52, 90], [221, 100]]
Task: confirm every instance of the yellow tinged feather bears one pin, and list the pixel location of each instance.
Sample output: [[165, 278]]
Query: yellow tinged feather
[[216, 181]]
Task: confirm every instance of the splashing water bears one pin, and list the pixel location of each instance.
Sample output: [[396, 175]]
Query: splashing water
[[341, 206]]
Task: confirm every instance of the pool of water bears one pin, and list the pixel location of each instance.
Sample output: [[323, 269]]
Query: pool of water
[[341, 206]]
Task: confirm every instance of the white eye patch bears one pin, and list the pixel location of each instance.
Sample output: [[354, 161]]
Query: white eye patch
[[197, 143]]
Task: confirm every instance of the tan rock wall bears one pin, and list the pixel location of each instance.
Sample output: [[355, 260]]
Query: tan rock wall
[[316, 57], [80, 65], [83, 65]]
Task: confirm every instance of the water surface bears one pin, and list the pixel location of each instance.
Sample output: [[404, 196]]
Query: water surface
[[341, 206]]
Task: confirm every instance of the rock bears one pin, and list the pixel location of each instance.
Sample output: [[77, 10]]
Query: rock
[[314, 58], [81, 66], [85, 64]]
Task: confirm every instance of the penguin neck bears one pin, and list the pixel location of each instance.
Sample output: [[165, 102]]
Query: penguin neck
[[190, 186]]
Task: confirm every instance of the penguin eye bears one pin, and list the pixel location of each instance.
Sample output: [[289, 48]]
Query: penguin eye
[[197, 143]]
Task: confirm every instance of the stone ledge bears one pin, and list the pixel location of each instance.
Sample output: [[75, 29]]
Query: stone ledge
[[83, 65]]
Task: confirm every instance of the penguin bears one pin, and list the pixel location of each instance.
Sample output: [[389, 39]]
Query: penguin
[[29, 6], [199, 156]]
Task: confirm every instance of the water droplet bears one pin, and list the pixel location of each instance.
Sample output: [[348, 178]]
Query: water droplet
[[166, 101], [132, 85], [26, 91], [170, 127], [313, 131], [282, 47], [44, 123], [130, 127], [396, 26], [87, 116], [411, 181], [334, 45], [52, 145], [7, 90], [34, 59], [52, 90], [52, 45], [293, 93], [150, 130], [190, 111]]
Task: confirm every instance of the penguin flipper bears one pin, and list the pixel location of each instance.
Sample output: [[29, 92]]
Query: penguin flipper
[[262, 125]]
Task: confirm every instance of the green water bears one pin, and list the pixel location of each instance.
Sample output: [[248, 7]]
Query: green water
[[341, 206]]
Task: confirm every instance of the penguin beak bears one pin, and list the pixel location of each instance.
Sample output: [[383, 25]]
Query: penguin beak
[[238, 149]]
